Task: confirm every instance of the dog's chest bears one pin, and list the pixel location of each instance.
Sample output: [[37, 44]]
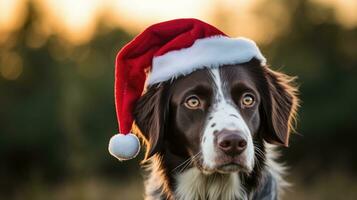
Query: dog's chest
[[192, 184]]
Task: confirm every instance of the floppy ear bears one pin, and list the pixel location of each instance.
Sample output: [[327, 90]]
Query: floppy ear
[[280, 107], [149, 115]]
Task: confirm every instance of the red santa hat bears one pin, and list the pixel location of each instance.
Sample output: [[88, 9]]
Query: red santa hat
[[167, 50]]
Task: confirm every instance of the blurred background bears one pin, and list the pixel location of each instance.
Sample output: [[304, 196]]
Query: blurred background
[[56, 90]]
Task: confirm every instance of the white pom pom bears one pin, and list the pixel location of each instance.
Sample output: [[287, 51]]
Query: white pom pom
[[124, 147]]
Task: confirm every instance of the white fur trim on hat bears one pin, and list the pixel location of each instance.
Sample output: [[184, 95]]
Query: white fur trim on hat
[[208, 52]]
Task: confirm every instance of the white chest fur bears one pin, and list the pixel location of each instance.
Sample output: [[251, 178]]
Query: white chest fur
[[193, 184]]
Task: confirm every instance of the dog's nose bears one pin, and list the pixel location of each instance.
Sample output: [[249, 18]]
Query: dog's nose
[[231, 142]]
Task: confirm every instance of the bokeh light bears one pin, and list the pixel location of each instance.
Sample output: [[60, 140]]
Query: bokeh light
[[11, 65]]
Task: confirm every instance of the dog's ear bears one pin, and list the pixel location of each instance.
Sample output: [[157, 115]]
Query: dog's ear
[[149, 115], [279, 107]]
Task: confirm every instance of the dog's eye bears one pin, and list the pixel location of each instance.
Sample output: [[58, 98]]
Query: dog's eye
[[248, 100], [192, 102]]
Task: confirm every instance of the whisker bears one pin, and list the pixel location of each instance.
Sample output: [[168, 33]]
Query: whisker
[[186, 163], [260, 154], [191, 161]]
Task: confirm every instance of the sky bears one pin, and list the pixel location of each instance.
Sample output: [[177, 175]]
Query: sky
[[76, 21]]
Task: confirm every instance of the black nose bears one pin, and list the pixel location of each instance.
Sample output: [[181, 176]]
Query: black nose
[[231, 142]]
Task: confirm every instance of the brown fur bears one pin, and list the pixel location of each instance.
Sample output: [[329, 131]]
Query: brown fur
[[167, 149]]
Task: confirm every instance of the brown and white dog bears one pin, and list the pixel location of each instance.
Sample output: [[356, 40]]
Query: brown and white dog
[[210, 134]]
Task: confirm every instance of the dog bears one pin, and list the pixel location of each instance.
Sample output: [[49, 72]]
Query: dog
[[212, 134]]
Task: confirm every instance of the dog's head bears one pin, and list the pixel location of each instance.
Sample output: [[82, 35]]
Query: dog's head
[[218, 117]]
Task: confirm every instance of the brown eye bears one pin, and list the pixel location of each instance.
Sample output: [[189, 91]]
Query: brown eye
[[248, 100], [192, 102]]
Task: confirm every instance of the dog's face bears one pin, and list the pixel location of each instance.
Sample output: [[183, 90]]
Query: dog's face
[[218, 117], [217, 111]]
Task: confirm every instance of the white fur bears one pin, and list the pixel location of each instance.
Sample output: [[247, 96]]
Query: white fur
[[277, 170], [221, 114], [208, 52], [193, 184]]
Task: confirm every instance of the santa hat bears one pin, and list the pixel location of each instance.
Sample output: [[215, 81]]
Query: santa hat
[[162, 52]]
